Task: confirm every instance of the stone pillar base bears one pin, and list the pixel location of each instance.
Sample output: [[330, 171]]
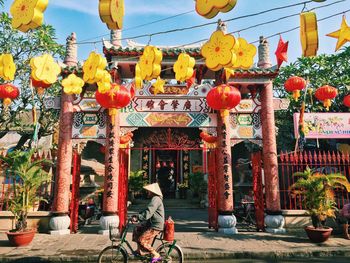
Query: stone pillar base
[[275, 224], [106, 221], [59, 225], [227, 224]]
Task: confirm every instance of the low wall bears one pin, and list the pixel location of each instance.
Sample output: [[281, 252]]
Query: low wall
[[38, 219]]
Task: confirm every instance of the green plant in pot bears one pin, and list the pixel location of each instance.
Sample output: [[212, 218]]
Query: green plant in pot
[[317, 192], [29, 175], [136, 183]]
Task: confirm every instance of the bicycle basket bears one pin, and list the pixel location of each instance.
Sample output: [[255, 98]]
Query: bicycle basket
[[114, 234]]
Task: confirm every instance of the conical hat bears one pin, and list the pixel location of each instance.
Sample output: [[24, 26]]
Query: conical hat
[[153, 188]]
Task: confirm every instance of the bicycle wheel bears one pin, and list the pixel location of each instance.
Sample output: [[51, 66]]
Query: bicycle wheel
[[113, 254], [174, 256]]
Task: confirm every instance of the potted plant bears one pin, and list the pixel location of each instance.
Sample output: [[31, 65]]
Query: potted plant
[[182, 190], [136, 183], [317, 192], [29, 175]]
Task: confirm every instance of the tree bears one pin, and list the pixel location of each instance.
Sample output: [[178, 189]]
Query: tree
[[320, 70], [23, 47]]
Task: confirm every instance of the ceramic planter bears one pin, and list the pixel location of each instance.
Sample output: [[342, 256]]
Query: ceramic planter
[[19, 239], [318, 235]]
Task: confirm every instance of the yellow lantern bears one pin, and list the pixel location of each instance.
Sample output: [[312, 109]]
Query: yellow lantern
[[149, 63], [219, 51], [94, 68], [308, 34], [245, 53], [183, 67], [72, 84], [7, 67], [28, 14], [210, 8], [112, 13], [343, 34], [138, 79], [45, 69]]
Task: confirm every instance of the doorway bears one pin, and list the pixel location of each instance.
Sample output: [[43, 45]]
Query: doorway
[[166, 171]]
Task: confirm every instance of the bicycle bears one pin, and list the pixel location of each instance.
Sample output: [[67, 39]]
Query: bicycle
[[170, 252]]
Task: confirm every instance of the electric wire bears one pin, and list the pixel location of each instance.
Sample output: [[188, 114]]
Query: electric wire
[[209, 23]]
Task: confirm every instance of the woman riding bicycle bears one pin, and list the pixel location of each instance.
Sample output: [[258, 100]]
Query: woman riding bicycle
[[152, 222]]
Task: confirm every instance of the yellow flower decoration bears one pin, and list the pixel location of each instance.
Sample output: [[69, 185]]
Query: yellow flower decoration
[[219, 51], [72, 84], [112, 13], [104, 84], [7, 67], [138, 79], [183, 67], [245, 53], [159, 86], [210, 8], [94, 68], [45, 69], [150, 63], [28, 14]]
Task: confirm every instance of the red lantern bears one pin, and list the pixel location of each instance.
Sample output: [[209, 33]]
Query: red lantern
[[172, 164], [126, 138], [39, 85], [208, 138], [346, 101], [164, 164], [223, 98], [158, 165], [8, 92], [116, 98], [325, 94], [295, 84]]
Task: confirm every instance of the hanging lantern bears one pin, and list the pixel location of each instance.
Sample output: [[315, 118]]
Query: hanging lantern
[[126, 138], [116, 98], [209, 140], [309, 34], [295, 84], [346, 101], [164, 164], [158, 165], [326, 93], [172, 164], [8, 92], [223, 98]]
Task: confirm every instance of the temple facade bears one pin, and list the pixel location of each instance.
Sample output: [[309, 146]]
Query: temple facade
[[161, 134]]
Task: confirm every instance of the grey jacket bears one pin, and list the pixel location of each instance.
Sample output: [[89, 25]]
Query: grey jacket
[[154, 213]]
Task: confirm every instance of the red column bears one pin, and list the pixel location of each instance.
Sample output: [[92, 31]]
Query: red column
[[269, 149], [110, 195], [224, 169], [64, 158]]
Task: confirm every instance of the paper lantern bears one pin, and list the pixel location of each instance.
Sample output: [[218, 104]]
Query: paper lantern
[[183, 67], [346, 101], [219, 51], [245, 53], [308, 34], [73, 84], [28, 14], [210, 8], [158, 165], [94, 68], [343, 34], [223, 98], [7, 67], [44, 69], [149, 63], [295, 84], [116, 98], [112, 13], [208, 138], [326, 94], [126, 138], [8, 92]]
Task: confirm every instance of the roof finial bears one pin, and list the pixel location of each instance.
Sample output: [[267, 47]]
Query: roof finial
[[71, 58], [264, 53], [116, 38], [222, 26]]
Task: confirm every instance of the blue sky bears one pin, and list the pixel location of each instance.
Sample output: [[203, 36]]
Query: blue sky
[[81, 16]]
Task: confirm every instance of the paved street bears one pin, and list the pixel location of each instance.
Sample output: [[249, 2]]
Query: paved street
[[199, 244]]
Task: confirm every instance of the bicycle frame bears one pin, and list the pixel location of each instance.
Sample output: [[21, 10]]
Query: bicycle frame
[[123, 240]]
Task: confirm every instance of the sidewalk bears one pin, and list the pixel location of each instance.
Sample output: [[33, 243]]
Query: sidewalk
[[196, 246]]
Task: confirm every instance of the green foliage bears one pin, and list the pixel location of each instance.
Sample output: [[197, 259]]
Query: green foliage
[[316, 190], [197, 183], [332, 69], [31, 176], [23, 47], [136, 181]]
